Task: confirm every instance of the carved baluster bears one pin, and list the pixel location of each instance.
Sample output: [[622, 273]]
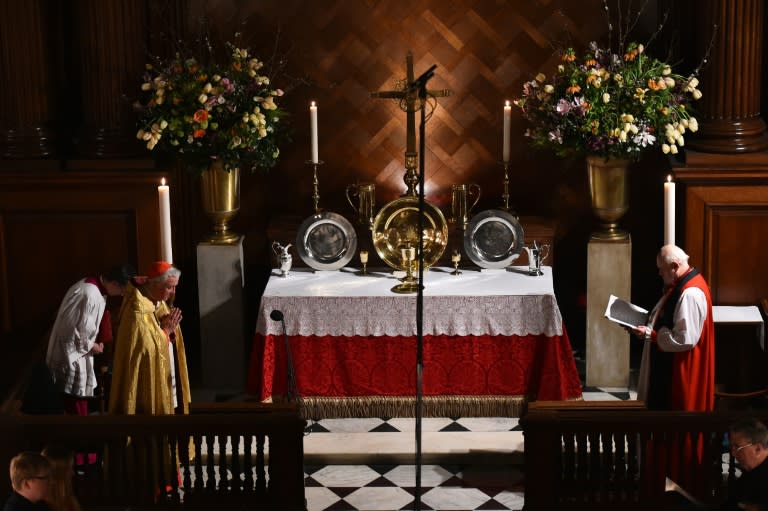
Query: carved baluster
[[261, 476], [248, 463], [582, 463], [237, 482], [593, 471], [210, 469]]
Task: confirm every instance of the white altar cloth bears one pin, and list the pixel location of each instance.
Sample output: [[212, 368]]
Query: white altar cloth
[[344, 303]]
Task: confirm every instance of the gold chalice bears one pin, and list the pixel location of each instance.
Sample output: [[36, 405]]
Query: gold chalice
[[364, 262], [408, 284], [455, 259]]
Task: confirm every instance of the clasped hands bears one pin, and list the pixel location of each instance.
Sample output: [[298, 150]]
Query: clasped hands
[[170, 321]]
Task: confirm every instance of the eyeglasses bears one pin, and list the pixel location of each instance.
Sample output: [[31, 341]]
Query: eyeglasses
[[737, 449]]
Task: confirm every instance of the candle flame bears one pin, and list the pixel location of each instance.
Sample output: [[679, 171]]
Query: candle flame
[[312, 104], [162, 182], [669, 178], [507, 103]]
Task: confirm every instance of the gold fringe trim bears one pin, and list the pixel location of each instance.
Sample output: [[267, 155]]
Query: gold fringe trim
[[316, 408]]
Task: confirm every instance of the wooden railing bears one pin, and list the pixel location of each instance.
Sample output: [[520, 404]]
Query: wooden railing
[[231, 456], [581, 455]]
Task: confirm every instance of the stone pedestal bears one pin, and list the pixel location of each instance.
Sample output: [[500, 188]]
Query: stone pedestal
[[220, 281], [609, 271]]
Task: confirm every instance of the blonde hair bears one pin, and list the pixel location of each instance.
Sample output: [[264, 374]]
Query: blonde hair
[[27, 465], [61, 494]]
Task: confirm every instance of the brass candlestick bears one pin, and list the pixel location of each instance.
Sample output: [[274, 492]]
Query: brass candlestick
[[505, 196], [408, 284], [455, 259], [364, 262], [315, 182]]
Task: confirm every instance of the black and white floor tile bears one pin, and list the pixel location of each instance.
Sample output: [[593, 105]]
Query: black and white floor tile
[[467, 463]]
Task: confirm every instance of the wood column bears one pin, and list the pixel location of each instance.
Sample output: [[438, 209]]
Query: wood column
[[729, 112], [111, 46], [26, 101]]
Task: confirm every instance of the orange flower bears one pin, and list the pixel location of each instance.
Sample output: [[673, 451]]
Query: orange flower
[[590, 62], [198, 133], [573, 89], [237, 65], [200, 116], [630, 55], [569, 55]]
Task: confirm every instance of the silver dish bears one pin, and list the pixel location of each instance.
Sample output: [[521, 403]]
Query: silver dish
[[326, 241], [493, 239]]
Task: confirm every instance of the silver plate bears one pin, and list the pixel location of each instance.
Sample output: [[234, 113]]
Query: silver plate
[[326, 241], [493, 239]]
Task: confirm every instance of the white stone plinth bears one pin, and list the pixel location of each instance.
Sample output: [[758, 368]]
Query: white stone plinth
[[609, 271], [220, 282]]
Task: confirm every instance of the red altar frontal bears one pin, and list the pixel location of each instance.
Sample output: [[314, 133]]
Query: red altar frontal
[[493, 339]]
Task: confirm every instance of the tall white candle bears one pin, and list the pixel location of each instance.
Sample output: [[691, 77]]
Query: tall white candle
[[313, 130], [669, 211], [164, 200], [507, 130]]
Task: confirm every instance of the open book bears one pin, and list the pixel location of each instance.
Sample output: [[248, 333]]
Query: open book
[[624, 313]]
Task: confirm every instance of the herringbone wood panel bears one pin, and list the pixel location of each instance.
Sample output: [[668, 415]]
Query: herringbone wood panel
[[344, 49]]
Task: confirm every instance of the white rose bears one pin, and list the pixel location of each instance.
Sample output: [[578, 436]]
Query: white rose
[[606, 97], [541, 77], [202, 98], [696, 94], [673, 149], [549, 89], [665, 148]]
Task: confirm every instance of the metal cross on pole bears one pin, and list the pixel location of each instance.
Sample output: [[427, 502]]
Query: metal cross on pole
[[410, 103]]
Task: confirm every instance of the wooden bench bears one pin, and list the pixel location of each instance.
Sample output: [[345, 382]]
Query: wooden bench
[[589, 455], [233, 456]]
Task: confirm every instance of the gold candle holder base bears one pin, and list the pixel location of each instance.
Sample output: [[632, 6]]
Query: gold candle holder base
[[505, 196], [456, 270], [315, 183]]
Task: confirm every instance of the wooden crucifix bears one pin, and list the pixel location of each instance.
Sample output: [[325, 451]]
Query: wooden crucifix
[[408, 103]]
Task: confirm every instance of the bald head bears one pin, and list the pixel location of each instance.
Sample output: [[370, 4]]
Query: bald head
[[672, 262]]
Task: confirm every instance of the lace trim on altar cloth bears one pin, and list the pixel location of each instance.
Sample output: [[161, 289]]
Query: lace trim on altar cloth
[[386, 316], [317, 408]]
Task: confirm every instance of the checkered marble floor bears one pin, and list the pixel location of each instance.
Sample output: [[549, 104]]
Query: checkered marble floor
[[467, 463]]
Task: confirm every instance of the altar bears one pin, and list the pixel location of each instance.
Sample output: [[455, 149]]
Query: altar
[[493, 340]]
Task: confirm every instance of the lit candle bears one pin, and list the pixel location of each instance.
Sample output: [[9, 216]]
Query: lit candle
[[363, 256], [313, 130], [456, 257], [669, 211], [507, 130], [164, 200]]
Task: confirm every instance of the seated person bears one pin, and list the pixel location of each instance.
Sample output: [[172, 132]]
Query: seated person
[[30, 472], [749, 445]]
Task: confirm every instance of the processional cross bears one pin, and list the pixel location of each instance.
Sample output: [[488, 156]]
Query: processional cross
[[408, 99]]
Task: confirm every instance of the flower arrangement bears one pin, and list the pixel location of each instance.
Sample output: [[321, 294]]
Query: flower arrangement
[[609, 105], [202, 112]]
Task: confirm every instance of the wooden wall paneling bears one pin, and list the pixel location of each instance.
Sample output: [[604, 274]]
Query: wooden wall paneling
[[58, 228], [726, 231]]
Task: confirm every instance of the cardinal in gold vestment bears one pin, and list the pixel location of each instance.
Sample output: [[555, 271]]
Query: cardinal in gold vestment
[[149, 373]]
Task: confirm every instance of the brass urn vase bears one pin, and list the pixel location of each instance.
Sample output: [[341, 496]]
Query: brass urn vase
[[221, 201], [609, 193]]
